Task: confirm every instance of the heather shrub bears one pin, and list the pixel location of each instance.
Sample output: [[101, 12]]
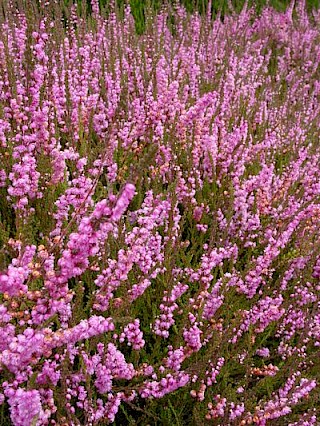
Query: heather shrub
[[159, 217]]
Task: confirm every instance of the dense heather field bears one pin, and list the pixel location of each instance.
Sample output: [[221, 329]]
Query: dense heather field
[[159, 218]]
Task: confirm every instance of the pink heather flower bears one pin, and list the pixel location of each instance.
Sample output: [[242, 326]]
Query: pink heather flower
[[263, 352], [133, 334], [236, 410], [123, 201], [222, 250], [166, 385], [175, 358], [25, 406], [192, 337], [211, 375]]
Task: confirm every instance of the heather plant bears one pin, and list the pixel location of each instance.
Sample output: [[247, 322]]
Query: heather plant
[[159, 217]]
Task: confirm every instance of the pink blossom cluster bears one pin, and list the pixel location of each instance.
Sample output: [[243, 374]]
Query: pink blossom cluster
[[159, 216]]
